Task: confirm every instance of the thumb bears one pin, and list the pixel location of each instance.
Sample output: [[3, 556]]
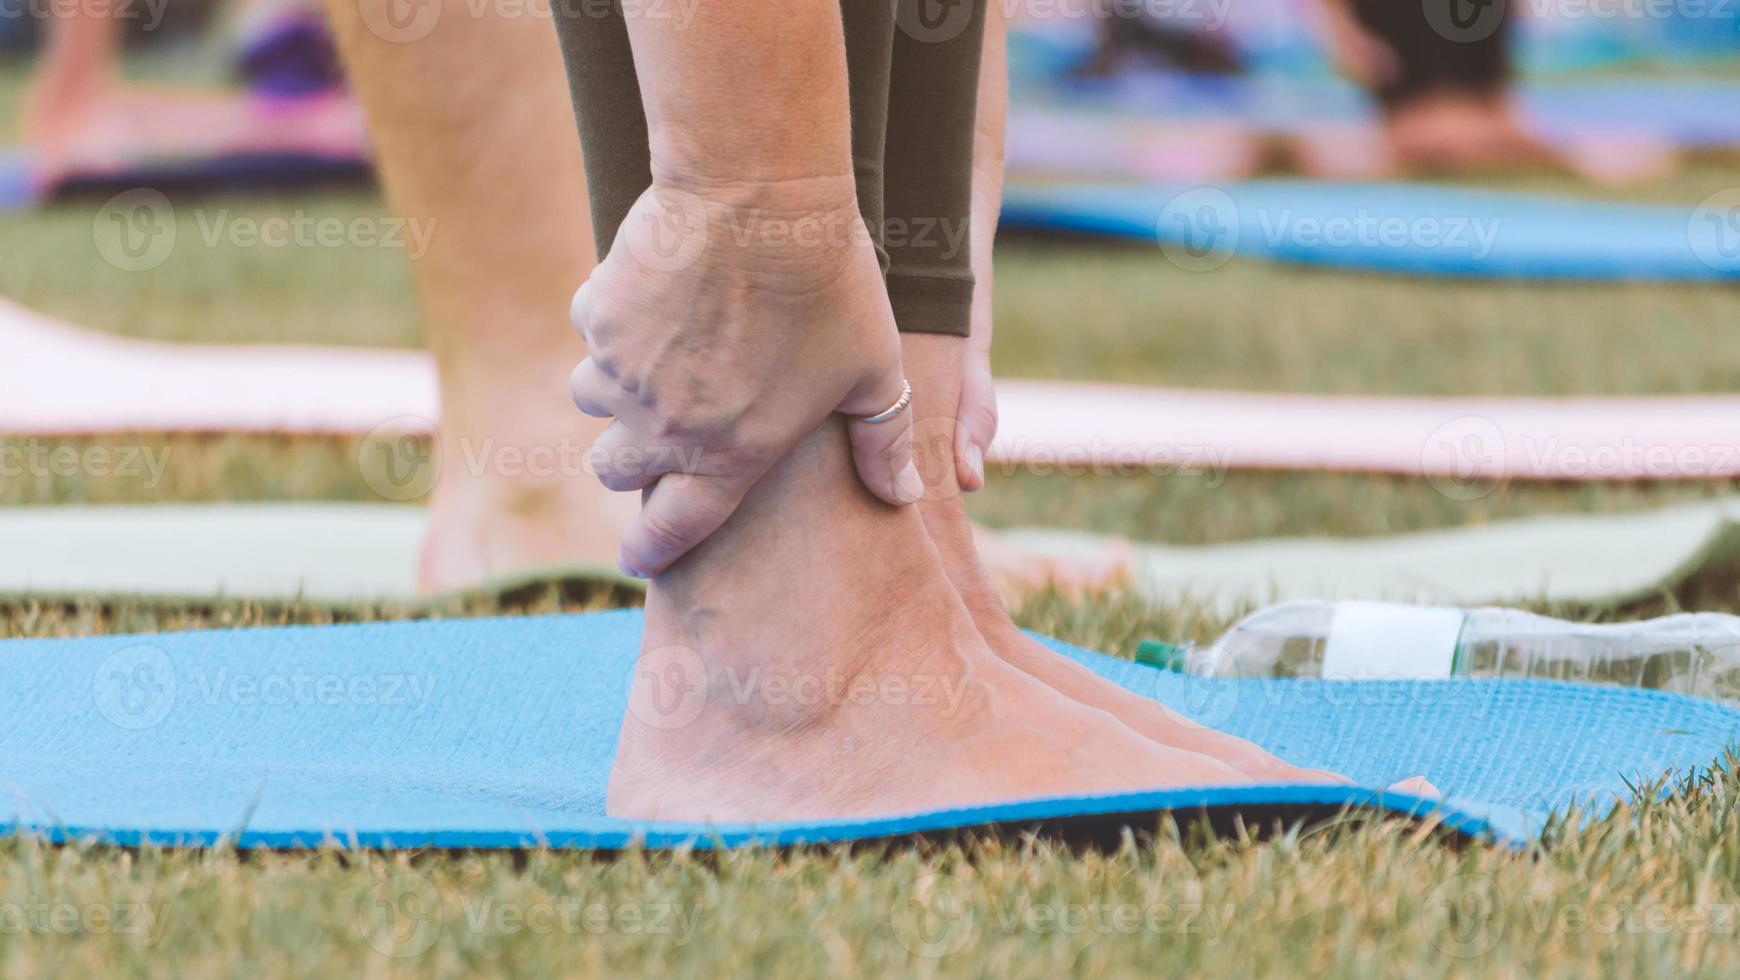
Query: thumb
[[882, 451], [976, 420]]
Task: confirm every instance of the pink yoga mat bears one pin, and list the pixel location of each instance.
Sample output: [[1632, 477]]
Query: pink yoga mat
[[61, 380], [1458, 439], [64, 380], [1050, 141]]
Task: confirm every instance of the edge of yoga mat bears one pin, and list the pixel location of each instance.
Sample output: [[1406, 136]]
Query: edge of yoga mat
[[1417, 229], [277, 169], [1071, 818], [351, 555]]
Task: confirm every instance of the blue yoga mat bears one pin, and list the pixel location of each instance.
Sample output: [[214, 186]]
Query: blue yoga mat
[[500, 733], [1419, 229]]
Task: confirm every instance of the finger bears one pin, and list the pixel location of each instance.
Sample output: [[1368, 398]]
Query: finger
[[594, 392], [976, 420], [622, 461], [678, 514], [580, 308]]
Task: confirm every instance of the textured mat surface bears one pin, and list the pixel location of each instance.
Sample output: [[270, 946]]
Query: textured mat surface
[[348, 553], [1390, 227], [501, 732], [59, 379]]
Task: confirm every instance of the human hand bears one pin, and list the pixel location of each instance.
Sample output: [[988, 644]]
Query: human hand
[[722, 329]]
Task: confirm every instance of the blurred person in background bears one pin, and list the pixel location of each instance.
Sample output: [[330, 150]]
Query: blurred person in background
[[82, 118], [1442, 75]]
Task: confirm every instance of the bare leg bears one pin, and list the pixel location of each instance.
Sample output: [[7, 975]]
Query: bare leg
[[79, 67], [810, 660], [472, 131]]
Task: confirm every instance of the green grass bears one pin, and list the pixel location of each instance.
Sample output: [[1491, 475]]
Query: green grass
[[1655, 889], [1642, 893]]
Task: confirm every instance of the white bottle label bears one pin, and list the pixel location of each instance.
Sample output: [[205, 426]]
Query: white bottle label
[[1386, 641]]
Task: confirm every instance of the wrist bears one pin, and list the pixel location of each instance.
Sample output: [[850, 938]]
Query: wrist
[[744, 163], [741, 187], [797, 226]]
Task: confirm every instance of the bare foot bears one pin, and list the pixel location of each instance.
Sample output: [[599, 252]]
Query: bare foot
[[810, 660], [1352, 151], [932, 365], [1454, 132], [513, 493], [1016, 572], [486, 527]]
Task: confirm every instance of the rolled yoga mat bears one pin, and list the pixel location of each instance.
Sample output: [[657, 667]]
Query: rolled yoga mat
[[501, 733], [1417, 229], [352, 553], [57, 380]]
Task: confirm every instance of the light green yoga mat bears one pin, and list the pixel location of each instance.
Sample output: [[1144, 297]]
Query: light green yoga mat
[[326, 553], [359, 552], [1598, 560]]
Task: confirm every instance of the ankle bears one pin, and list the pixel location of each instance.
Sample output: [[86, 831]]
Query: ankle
[[810, 554]]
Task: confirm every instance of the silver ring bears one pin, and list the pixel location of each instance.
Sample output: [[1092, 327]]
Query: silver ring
[[903, 403]]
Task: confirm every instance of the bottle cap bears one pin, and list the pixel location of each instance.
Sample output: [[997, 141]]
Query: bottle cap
[[1166, 656]]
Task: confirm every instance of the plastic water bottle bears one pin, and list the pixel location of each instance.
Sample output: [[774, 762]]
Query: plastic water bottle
[[1691, 653]]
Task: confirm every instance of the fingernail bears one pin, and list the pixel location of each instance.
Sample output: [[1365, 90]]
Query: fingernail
[[909, 487], [976, 463], [627, 567]]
